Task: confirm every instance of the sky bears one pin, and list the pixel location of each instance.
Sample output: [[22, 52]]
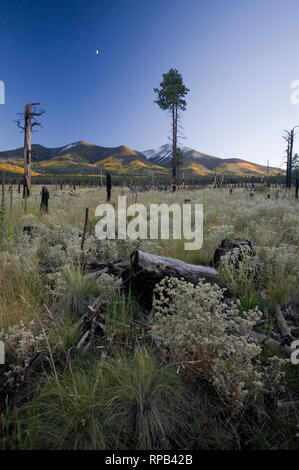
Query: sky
[[238, 58]]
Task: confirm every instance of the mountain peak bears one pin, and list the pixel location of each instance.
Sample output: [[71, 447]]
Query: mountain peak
[[82, 157]]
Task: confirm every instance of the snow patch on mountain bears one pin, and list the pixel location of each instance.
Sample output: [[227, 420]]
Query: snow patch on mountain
[[67, 147]]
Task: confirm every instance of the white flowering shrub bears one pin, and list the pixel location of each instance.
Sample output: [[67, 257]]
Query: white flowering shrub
[[107, 285], [240, 270], [273, 374], [207, 338], [21, 345]]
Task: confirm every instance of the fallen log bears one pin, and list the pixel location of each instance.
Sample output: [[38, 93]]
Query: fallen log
[[288, 404], [146, 270], [272, 343], [282, 324], [114, 269]]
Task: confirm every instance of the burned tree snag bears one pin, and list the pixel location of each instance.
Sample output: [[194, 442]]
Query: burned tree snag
[[27, 121], [108, 186], [3, 191], [289, 138], [44, 201]]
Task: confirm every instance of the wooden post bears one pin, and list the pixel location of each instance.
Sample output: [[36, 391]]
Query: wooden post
[[84, 230], [10, 204]]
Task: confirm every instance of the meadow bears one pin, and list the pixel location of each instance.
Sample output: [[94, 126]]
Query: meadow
[[205, 386]]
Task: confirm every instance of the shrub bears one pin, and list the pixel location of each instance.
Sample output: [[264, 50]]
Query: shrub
[[21, 345], [207, 338], [240, 270], [281, 271]]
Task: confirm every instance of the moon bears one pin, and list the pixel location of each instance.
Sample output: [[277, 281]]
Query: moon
[[97, 51]]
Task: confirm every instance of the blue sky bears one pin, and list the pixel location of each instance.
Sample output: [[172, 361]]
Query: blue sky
[[237, 57]]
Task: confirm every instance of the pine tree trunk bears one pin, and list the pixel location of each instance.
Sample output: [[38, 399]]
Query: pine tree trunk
[[174, 145]]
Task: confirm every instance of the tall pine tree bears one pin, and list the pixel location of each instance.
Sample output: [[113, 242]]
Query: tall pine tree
[[171, 98]]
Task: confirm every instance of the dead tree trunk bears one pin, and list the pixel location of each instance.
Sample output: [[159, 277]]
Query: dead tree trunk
[[296, 189], [44, 205], [290, 158], [27, 152], [146, 270], [108, 186], [3, 191], [29, 120]]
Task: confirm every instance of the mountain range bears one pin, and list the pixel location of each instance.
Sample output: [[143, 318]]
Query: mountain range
[[84, 158]]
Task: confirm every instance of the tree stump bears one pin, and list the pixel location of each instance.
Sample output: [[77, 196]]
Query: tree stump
[[44, 201], [228, 245]]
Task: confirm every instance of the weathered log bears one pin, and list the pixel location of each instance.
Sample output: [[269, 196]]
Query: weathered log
[[146, 270], [272, 343], [83, 339], [282, 324], [288, 404], [106, 268]]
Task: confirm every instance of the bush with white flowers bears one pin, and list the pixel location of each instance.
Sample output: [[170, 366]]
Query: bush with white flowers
[[207, 338]]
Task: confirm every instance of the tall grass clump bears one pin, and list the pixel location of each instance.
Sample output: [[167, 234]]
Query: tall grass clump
[[77, 291], [70, 410], [281, 270], [21, 289], [142, 400], [126, 402]]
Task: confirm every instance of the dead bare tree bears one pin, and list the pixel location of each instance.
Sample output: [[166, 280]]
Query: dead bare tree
[[289, 138], [27, 121]]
